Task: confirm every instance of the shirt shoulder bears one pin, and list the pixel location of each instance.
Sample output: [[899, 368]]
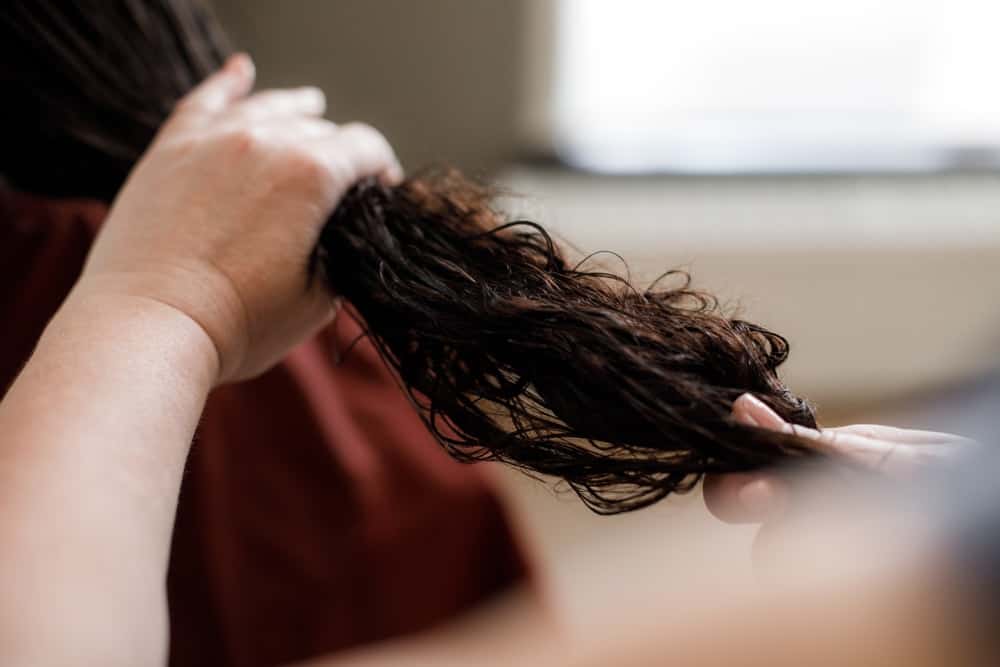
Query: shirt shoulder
[[43, 245]]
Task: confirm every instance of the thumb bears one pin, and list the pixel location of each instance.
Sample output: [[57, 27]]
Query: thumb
[[221, 89], [867, 451], [750, 410]]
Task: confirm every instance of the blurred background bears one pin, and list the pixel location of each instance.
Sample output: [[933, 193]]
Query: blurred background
[[827, 167]]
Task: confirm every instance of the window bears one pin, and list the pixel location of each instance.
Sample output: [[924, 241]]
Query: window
[[711, 86]]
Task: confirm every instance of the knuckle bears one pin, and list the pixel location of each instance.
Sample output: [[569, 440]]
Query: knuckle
[[358, 127], [187, 104], [313, 95], [260, 102], [184, 113], [308, 167], [830, 437], [365, 133], [869, 431], [183, 145], [866, 431], [339, 170], [245, 139]]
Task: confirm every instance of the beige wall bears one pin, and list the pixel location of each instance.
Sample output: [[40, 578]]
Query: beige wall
[[884, 285], [439, 77]]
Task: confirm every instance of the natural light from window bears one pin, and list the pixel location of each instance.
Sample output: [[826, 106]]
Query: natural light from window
[[777, 85]]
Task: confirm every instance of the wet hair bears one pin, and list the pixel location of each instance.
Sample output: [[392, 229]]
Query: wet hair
[[87, 84], [508, 350]]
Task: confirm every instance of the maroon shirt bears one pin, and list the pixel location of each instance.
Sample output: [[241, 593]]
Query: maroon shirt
[[316, 512]]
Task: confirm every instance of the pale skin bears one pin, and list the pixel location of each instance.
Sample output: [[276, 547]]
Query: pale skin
[[763, 497], [198, 278], [826, 596]]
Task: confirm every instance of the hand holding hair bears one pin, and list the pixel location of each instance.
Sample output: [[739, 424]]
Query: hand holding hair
[[512, 354], [218, 216], [763, 496], [198, 276], [509, 351]]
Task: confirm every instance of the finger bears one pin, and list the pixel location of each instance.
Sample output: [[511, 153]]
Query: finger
[[750, 410], [358, 151], [740, 497], [744, 497], [311, 128], [393, 176], [305, 101], [901, 435], [870, 452], [303, 131], [866, 451], [896, 459], [219, 90]]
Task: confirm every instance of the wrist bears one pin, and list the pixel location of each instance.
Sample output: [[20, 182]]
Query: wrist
[[171, 334]]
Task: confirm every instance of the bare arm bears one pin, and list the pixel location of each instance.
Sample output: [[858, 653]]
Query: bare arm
[[198, 277], [909, 616], [94, 435], [851, 582], [899, 612], [507, 630], [848, 576]]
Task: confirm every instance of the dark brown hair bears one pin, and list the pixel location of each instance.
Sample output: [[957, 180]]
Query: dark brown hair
[[510, 352]]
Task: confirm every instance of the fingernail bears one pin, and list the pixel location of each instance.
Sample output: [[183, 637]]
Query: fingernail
[[762, 413], [742, 416]]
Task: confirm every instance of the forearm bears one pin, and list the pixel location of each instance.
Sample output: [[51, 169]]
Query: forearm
[[514, 628], [907, 618], [93, 438], [909, 615]]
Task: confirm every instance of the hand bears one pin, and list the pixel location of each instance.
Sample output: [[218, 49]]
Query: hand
[[219, 217], [762, 496]]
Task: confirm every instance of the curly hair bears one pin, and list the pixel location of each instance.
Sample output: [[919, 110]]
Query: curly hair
[[508, 351], [512, 354]]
